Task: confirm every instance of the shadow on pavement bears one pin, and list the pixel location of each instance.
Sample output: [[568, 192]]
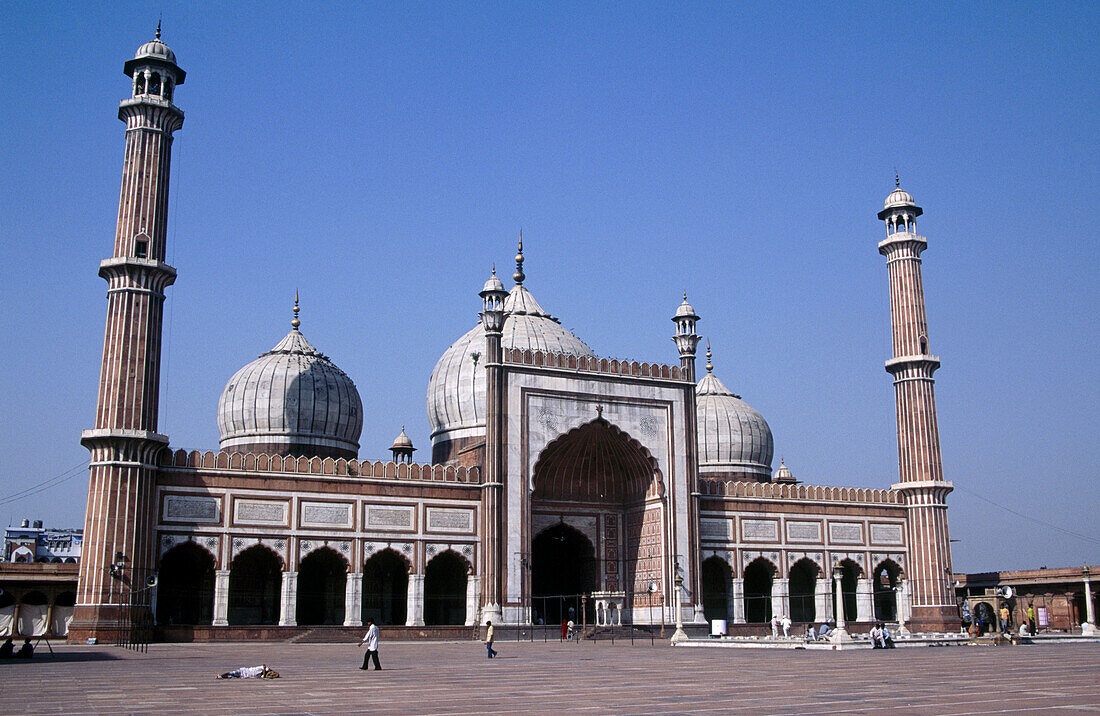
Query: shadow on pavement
[[43, 656]]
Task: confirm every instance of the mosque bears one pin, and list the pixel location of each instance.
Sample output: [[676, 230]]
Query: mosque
[[561, 484]]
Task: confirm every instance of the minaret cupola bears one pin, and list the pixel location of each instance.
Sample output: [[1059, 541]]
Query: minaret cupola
[[900, 212], [154, 70], [686, 339]]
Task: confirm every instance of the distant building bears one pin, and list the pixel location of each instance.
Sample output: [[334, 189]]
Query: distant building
[[1059, 596], [31, 542]]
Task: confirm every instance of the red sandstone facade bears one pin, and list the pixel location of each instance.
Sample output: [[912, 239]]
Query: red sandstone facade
[[598, 455]]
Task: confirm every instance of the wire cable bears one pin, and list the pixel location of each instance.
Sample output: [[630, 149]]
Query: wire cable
[[1071, 533], [45, 484]]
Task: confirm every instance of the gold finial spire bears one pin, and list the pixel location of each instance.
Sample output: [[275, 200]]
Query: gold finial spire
[[685, 295], [494, 269], [897, 185], [518, 275], [294, 323], [158, 28], [710, 366]]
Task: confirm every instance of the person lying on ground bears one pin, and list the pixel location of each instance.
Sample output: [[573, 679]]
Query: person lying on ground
[[250, 672]]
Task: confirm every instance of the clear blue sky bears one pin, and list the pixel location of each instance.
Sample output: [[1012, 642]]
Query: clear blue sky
[[380, 156]]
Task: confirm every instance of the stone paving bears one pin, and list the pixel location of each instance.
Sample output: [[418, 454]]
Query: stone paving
[[456, 678]]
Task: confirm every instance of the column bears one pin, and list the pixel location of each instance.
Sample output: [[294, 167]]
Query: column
[[840, 634], [353, 599], [1089, 627], [738, 599], [288, 600], [221, 597], [780, 591], [414, 601], [473, 587], [822, 606], [903, 606], [865, 603]]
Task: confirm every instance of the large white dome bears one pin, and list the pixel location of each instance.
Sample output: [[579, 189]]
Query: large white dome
[[734, 439], [456, 390], [291, 400]]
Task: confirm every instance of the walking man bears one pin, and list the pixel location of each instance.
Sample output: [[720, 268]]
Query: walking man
[[371, 640], [489, 639]]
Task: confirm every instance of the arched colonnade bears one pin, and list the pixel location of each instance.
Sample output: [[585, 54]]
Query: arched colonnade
[[805, 594], [258, 590]]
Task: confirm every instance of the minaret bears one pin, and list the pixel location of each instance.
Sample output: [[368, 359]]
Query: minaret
[[118, 553], [492, 495], [921, 471], [686, 339]]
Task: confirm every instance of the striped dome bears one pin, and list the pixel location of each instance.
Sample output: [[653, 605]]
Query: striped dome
[[291, 400], [456, 390], [734, 439]]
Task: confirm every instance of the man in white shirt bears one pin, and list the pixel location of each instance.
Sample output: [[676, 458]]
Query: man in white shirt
[[785, 622], [371, 640]]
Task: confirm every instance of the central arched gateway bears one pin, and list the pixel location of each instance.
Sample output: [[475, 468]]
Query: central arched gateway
[[598, 525]]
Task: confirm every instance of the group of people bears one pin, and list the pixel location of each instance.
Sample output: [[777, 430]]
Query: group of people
[[7, 650], [780, 622], [880, 637]]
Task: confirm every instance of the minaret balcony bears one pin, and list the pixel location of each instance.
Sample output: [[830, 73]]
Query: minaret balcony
[[925, 364], [901, 239]]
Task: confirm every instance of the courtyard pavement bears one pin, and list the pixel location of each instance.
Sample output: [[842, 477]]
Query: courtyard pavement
[[592, 678]]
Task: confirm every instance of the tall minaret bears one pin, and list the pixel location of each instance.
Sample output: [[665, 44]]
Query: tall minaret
[[921, 471], [687, 340], [492, 314], [118, 553]]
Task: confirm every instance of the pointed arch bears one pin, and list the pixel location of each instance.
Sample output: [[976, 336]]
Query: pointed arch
[[758, 576], [386, 587], [596, 462], [445, 580], [185, 590], [255, 578]]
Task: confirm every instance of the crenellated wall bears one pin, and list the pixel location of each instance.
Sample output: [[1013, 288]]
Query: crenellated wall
[[339, 467], [729, 488], [594, 365]]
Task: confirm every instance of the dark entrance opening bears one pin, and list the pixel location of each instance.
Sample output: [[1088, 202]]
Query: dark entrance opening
[[254, 580], [385, 588], [803, 583], [716, 576], [563, 567], [185, 592], [885, 580], [758, 591], [445, 590], [322, 579]]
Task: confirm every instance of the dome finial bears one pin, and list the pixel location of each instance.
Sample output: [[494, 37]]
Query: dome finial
[[518, 275], [897, 183], [710, 366], [158, 28], [494, 269], [294, 323]]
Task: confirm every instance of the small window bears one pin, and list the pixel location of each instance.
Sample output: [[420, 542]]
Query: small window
[[141, 248]]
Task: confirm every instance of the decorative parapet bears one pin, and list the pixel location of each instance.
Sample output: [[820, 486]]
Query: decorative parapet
[[593, 365], [335, 467], [765, 490]]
